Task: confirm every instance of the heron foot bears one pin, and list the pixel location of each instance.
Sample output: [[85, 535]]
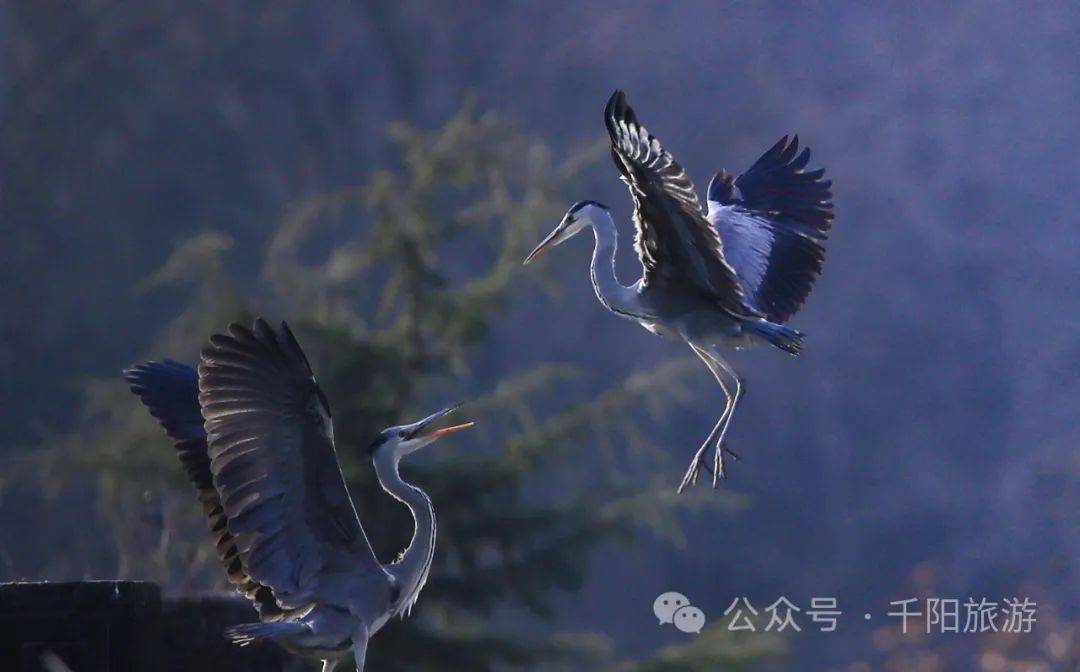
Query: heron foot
[[691, 476], [718, 472]]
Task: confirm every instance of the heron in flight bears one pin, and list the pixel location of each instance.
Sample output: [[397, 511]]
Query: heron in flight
[[729, 276], [253, 431]]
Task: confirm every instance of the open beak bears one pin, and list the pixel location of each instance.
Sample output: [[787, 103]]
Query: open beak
[[450, 430], [426, 426], [553, 239]]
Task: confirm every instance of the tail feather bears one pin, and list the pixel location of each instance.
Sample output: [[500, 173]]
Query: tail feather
[[246, 633], [787, 339]]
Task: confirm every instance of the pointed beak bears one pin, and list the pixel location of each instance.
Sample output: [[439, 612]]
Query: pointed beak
[[426, 426], [553, 239], [450, 430]]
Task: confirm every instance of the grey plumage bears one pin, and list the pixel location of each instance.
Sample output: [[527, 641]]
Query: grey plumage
[[264, 465], [675, 243], [774, 229], [273, 462], [726, 277]]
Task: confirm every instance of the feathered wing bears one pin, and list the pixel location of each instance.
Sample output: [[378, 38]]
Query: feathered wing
[[274, 465], [774, 230], [675, 242], [170, 391]]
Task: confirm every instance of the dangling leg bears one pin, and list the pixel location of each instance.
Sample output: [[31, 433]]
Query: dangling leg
[[699, 457], [740, 390]]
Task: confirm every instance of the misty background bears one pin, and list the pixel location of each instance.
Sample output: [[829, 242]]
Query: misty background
[[924, 443]]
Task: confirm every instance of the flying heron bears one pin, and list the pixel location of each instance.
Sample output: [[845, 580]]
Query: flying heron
[[253, 431], [729, 276]]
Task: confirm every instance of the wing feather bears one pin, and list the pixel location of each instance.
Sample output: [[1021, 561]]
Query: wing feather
[[274, 464], [774, 232], [170, 391], [676, 244]]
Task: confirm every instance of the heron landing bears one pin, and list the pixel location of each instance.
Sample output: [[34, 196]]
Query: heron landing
[[729, 276], [253, 431]]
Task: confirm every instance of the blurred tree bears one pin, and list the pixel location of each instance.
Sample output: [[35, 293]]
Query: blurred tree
[[394, 324], [988, 643], [714, 648]]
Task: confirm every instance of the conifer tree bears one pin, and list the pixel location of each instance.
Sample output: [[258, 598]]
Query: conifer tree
[[393, 288]]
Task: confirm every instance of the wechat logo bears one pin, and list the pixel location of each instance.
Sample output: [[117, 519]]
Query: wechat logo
[[675, 608]]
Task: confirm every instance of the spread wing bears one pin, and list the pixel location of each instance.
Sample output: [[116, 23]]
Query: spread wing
[[676, 244], [775, 229], [274, 465], [170, 391]]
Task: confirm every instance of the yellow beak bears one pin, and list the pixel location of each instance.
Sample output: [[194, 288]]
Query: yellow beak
[[551, 241], [450, 430]]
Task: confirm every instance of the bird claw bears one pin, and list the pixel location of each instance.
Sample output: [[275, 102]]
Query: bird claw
[[691, 476], [718, 472], [717, 468]]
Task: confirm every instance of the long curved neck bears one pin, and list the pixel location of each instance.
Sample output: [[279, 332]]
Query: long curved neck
[[412, 569], [615, 297]]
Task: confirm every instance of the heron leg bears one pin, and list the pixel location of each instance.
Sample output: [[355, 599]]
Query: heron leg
[[690, 478], [740, 390]]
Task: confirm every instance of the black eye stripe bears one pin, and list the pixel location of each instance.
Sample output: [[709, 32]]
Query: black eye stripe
[[379, 440], [581, 204]]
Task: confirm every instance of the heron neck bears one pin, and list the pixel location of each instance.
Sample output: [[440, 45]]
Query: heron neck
[[615, 297], [412, 569]]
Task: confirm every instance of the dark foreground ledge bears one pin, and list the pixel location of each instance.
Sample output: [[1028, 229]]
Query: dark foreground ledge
[[123, 626]]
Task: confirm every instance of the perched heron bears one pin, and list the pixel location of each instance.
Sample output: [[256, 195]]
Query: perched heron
[[253, 431], [729, 276]]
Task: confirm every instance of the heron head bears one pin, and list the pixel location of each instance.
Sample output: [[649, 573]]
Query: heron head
[[405, 439], [580, 215]]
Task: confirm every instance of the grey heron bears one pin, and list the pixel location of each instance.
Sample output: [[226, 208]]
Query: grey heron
[[254, 433], [729, 276]]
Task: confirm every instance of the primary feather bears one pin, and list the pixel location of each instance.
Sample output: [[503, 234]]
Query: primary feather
[[274, 465], [676, 244], [774, 230], [170, 391]]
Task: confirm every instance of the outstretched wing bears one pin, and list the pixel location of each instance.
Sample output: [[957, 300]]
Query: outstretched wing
[[170, 391], [775, 229], [274, 465], [675, 242]]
